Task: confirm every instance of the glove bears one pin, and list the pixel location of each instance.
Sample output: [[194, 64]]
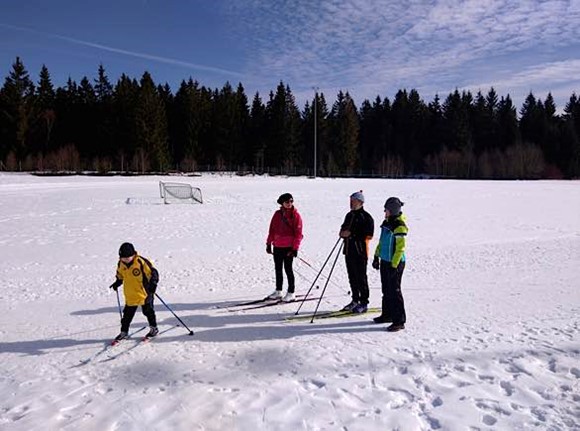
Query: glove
[[293, 253], [151, 288], [376, 263], [344, 233], [115, 285], [149, 299], [269, 248]]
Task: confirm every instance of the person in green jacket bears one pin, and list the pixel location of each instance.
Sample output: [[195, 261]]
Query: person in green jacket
[[390, 259]]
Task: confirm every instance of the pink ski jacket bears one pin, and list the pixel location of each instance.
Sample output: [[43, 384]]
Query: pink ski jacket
[[285, 229]]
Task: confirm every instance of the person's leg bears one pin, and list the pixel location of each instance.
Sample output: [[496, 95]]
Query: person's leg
[[363, 283], [149, 312], [128, 314], [288, 260], [385, 316], [351, 269], [400, 316], [394, 297], [278, 264]]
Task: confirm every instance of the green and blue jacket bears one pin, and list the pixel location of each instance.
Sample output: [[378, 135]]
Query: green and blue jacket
[[391, 247]]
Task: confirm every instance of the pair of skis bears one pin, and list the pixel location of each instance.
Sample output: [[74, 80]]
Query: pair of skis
[[331, 314], [145, 339], [263, 303]]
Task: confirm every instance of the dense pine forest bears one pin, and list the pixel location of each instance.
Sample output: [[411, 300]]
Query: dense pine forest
[[139, 126]]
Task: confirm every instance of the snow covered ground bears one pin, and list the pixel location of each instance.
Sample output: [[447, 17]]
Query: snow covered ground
[[491, 287]]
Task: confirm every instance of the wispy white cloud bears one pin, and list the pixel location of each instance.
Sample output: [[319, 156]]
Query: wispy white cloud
[[125, 52], [375, 47]]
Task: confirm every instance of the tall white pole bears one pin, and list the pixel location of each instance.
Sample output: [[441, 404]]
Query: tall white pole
[[315, 109]]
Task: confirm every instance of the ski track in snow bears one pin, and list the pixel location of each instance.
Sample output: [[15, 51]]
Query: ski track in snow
[[491, 292]]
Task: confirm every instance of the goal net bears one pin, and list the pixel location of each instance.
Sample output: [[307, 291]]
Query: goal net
[[179, 193]]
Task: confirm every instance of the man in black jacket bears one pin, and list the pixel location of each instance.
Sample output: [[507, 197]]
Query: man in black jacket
[[357, 230]]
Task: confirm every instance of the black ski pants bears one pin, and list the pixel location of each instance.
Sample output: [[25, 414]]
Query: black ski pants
[[130, 310], [281, 259], [393, 303], [356, 267]]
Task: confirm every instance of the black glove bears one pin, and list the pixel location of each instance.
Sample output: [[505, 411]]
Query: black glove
[[116, 284], [293, 253], [376, 264], [151, 288], [149, 299], [269, 248]]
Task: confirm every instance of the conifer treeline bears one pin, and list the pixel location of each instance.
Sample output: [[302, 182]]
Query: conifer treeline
[[141, 126]]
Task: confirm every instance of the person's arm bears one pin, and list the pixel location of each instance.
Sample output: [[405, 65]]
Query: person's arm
[[400, 234], [369, 231], [297, 231], [118, 279], [346, 225], [271, 230]]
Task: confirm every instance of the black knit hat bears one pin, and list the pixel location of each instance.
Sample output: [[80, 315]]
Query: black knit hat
[[284, 198], [126, 250], [394, 205]]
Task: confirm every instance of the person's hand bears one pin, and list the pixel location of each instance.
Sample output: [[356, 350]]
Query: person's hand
[[293, 253], [115, 285], [151, 288], [376, 264], [345, 233], [269, 248]]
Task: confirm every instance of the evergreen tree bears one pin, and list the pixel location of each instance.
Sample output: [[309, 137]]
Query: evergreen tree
[[86, 126], [241, 122], [507, 119], [66, 102], [17, 116], [570, 149], [151, 127], [230, 118], [283, 149], [125, 98], [370, 132], [46, 113], [104, 108], [530, 120], [345, 134], [456, 117], [256, 135], [293, 143]]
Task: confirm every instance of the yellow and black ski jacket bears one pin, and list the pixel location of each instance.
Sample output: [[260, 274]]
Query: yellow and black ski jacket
[[139, 279]]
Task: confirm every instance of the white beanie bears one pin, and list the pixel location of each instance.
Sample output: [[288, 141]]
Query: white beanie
[[358, 196]]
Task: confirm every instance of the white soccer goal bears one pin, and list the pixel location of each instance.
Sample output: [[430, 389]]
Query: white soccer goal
[[179, 193]]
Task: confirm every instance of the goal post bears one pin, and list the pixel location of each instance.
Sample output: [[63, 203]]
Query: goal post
[[179, 193]]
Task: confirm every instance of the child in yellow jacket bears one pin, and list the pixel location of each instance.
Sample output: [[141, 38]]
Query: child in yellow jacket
[[139, 279]]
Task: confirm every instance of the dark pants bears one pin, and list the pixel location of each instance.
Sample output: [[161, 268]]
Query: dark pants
[[281, 259], [393, 303], [130, 310], [356, 267]]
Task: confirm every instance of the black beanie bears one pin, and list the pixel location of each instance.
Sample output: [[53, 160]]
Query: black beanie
[[126, 250], [394, 205], [284, 198]]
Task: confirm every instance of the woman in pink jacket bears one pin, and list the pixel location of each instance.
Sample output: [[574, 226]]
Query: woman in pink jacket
[[285, 234]]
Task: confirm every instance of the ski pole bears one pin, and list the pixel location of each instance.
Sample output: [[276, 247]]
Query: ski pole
[[318, 275], [119, 304], [327, 280], [177, 317], [314, 269]]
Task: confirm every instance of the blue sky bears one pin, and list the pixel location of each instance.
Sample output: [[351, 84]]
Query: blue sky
[[365, 47]]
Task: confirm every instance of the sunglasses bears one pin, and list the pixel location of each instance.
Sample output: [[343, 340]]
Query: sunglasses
[[289, 201]]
